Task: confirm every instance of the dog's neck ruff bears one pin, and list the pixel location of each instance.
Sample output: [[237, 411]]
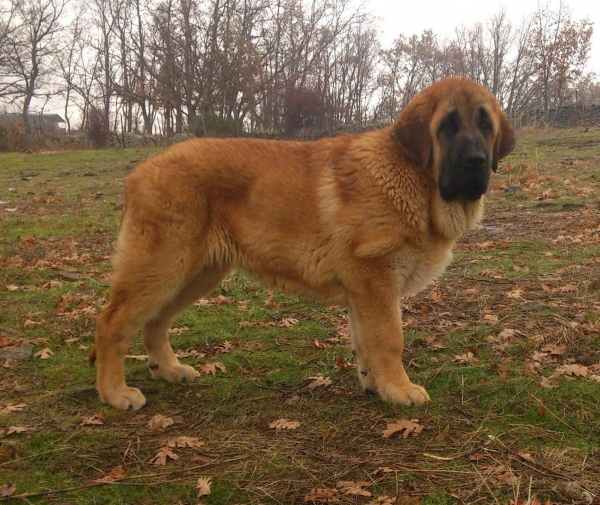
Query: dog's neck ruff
[[452, 219]]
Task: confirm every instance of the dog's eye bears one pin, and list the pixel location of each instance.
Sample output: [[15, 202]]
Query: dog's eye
[[449, 124], [484, 121]]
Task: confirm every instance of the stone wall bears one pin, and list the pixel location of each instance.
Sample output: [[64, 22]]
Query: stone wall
[[568, 116]]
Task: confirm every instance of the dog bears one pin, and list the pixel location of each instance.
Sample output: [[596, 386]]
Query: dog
[[355, 220]]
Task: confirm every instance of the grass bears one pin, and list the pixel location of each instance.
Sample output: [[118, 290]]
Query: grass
[[506, 342]]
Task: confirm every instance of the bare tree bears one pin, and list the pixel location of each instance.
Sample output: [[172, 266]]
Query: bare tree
[[560, 48], [32, 47]]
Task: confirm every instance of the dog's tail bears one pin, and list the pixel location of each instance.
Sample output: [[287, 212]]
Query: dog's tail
[[92, 357]]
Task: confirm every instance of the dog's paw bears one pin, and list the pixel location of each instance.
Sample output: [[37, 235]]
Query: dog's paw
[[366, 380], [124, 398], [407, 394], [176, 373]]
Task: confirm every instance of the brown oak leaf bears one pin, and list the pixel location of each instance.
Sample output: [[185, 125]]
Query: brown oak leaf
[[13, 407], [160, 422], [45, 353], [351, 488], [163, 455], [319, 495], [203, 486], [210, 367], [408, 427], [319, 381]]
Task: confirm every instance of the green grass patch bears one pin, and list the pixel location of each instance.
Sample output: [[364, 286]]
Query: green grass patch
[[506, 342]]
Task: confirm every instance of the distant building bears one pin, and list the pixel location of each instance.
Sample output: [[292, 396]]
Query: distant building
[[39, 123]]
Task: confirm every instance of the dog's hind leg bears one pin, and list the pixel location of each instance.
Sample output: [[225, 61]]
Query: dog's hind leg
[[162, 360]]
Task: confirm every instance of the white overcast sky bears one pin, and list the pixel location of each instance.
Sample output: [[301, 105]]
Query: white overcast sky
[[442, 16]]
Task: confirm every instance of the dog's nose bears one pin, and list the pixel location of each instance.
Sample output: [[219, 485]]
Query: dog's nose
[[475, 159]]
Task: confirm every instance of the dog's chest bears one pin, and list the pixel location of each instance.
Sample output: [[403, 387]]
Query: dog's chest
[[417, 267]]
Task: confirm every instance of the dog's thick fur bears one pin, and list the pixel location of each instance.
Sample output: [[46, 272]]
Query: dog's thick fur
[[358, 220]]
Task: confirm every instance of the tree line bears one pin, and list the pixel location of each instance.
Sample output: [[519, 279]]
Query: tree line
[[268, 66]]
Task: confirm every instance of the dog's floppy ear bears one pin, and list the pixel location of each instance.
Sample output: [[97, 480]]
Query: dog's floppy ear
[[411, 130], [505, 141]]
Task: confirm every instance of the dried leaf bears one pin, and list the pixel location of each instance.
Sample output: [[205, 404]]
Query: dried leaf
[[115, 474], [160, 422], [342, 364], [225, 347], [547, 383], [163, 455], [382, 470], [554, 349], [405, 426], [500, 474], [385, 500], [573, 369], [350, 488], [320, 345], [95, 420], [468, 357], [12, 429], [210, 367], [319, 381], [7, 490], [284, 424], [288, 322], [190, 353], [203, 486], [44, 353], [13, 407], [318, 495], [183, 442], [516, 293]]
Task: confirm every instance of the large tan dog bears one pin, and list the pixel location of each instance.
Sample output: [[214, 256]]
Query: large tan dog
[[358, 220]]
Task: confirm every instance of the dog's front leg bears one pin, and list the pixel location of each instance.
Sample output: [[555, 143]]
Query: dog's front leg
[[376, 330]]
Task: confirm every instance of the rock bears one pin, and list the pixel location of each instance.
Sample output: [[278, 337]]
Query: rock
[[17, 353]]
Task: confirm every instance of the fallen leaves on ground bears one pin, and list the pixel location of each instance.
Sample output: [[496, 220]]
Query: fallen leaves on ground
[[115, 474], [351, 488], [225, 347], [12, 429], [385, 500], [160, 422], [570, 370], [163, 455], [166, 452], [203, 486], [320, 345], [210, 367], [13, 407], [284, 424], [342, 364], [466, 358], [95, 420], [288, 322], [7, 490], [500, 474], [45, 353], [319, 495], [407, 427], [319, 381]]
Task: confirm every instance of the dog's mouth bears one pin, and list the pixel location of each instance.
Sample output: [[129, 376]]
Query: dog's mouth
[[471, 187], [466, 177]]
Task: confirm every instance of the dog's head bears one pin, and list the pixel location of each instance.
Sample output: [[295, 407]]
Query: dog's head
[[457, 129]]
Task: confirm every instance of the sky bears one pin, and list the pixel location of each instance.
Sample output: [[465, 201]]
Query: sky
[[442, 16]]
